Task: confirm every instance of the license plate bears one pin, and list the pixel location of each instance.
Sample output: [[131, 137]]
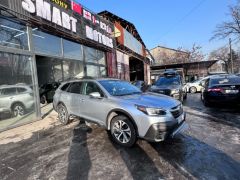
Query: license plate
[[231, 91]]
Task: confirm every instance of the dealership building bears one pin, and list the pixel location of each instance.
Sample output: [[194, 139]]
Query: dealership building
[[48, 41]]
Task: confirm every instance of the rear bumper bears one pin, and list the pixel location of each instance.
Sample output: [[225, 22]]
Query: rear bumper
[[161, 131], [223, 99]]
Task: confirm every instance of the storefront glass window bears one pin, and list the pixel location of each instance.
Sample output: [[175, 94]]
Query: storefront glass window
[[101, 57], [46, 44], [95, 56], [90, 55], [13, 35], [103, 72], [72, 70], [17, 97], [72, 50], [92, 70]]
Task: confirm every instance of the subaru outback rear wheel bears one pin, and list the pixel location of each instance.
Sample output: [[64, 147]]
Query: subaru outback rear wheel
[[63, 114], [123, 131]]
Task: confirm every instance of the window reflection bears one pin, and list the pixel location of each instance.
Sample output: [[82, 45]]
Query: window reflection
[[17, 100], [13, 35], [92, 70], [46, 44], [72, 50]]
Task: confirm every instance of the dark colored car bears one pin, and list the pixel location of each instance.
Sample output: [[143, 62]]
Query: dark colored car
[[47, 92], [170, 84], [142, 85], [223, 89]]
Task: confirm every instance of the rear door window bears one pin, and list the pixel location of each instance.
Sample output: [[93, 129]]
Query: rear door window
[[65, 86], [9, 91], [21, 90], [75, 88]]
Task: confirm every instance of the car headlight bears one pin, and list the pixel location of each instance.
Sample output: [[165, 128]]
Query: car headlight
[[151, 111], [175, 91]]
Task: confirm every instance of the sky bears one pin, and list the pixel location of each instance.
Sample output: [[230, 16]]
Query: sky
[[170, 23]]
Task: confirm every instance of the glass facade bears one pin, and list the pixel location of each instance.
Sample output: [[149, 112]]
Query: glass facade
[[13, 35], [17, 97], [72, 50], [46, 44], [56, 60]]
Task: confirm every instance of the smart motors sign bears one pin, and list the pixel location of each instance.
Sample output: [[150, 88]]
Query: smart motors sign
[[70, 16]]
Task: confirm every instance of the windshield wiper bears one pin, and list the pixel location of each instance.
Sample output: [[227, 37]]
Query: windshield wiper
[[129, 94]]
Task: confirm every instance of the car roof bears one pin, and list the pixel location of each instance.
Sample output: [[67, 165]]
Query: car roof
[[90, 79], [13, 86], [224, 76]]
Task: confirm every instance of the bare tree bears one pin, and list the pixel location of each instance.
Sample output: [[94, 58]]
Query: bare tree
[[196, 54], [224, 55], [231, 27], [219, 54]]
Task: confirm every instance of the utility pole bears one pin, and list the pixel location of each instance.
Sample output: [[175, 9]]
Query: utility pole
[[231, 58]]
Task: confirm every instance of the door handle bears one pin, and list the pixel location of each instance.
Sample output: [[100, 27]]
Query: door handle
[[82, 100]]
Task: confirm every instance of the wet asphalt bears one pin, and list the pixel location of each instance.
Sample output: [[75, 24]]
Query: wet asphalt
[[210, 149]]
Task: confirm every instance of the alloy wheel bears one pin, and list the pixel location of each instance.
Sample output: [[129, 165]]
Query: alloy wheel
[[121, 131], [18, 110], [62, 113]]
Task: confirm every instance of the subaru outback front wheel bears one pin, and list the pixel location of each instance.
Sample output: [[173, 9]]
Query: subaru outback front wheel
[[122, 131], [63, 114]]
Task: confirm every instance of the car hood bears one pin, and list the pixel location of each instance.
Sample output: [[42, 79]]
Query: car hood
[[151, 100], [165, 87]]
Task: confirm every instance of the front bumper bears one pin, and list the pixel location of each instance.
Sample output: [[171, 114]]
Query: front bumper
[[161, 131]]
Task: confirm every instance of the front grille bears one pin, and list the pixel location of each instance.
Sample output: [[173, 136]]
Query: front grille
[[177, 111]]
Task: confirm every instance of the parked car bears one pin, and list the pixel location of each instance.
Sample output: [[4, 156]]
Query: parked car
[[195, 86], [16, 99], [142, 85], [170, 84], [121, 108], [221, 89], [47, 92]]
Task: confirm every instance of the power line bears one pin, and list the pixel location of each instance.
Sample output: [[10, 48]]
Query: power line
[[184, 17]]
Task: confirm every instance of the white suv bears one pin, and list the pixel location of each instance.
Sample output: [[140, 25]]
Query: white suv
[[16, 99]]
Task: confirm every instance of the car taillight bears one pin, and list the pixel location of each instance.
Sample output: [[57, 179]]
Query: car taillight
[[215, 90]]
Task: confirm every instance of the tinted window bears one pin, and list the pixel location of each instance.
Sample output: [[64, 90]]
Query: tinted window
[[20, 90], [75, 88], [91, 87], [119, 88], [64, 88], [174, 80], [9, 91], [225, 80]]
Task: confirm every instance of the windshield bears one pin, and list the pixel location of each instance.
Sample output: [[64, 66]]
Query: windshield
[[119, 88], [166, 81]]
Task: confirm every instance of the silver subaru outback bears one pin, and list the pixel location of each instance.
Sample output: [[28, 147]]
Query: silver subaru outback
[[121, 108]]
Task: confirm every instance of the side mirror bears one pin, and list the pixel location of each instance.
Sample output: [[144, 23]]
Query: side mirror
[[95, 95]]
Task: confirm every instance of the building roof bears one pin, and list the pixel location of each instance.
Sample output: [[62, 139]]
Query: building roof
[[183, 65], [169, 49], [123, 22]]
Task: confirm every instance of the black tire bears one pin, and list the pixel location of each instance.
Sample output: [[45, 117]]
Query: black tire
[[63, 115], [206, 103], [126, 138], [193, 90], [18, 109], [43, 99], [185, 96]]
